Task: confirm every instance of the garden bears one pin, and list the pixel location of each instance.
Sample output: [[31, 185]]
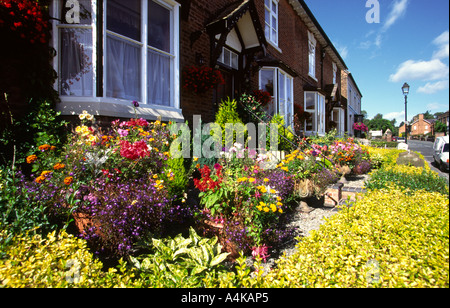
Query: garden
[[113, 207], [103, 206]]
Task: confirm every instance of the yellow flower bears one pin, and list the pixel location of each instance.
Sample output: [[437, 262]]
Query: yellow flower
[[273, 191], [155, 176], [243, 179], [266, 180], [266, 209], [280, 211], [195, 159], [262, 189], [251, 180], [273, 207], [279, 204]]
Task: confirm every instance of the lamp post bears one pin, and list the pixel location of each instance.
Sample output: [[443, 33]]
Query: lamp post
[[405, 90]]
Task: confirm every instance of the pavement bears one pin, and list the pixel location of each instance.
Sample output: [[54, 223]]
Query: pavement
[[426, 149]]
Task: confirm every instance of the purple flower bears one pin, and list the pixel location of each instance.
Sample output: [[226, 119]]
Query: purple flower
[[135, 104]]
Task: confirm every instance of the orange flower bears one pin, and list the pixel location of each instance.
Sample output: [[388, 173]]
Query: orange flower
[[59, 166], [68, 180], [45, 147], [40, 179], [31, 159], [45, 173]]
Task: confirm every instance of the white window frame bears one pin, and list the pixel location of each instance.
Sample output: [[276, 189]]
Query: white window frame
[[271, 25], [318, 114], [340, 121], [232, 61], [283, 93], [312, 43], [116, 107]]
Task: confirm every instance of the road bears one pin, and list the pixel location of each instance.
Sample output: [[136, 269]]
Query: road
[[426, 149]]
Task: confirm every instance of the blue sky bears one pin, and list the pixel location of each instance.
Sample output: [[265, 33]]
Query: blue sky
[[409, 44]]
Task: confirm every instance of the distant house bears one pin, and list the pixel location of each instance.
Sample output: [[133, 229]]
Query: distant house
[[112, 52], [419, 127], [353, 97]]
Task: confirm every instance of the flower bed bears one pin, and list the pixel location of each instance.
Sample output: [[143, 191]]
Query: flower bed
[[242, 200]]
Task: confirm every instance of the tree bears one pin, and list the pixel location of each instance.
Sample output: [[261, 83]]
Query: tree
[[440, 127], [378, 123]]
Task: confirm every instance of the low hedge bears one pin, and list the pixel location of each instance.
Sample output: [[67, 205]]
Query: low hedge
[[57, 261], [387, 239], [407, 177]]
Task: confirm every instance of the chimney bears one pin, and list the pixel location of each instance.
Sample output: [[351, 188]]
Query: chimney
[[421, 116]]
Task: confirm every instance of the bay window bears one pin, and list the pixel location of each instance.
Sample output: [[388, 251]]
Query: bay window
[[112, 52], [315, 106], [280, 86]]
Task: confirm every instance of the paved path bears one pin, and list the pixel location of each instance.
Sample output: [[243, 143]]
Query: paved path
[[426, 149]]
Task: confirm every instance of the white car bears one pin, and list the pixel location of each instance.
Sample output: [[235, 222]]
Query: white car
[[440, 152]]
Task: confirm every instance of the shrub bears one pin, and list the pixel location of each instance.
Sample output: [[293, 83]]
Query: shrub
[[387, 239], [181, 262], [407, 177], [56, 261]]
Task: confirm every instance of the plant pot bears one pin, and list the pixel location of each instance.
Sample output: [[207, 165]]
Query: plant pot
[[304, 188]]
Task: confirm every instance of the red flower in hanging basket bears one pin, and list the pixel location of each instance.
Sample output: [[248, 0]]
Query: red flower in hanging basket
[[201, 79], [262, 97]]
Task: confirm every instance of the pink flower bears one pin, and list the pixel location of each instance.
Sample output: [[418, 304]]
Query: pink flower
[[122, 132], [262, 252]]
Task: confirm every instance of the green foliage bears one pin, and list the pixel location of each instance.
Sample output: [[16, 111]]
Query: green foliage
[[228, 114], [181, 262], [177, 185], [382, 144], [285, 136], [386, 228], [41, 125], [440, 127], [409, 178], [19, 210], [58, 261]]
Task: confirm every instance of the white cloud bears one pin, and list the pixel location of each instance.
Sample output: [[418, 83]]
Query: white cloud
[[398, 10], [435, 106], [431, 88], [442, 41], [398, 116], [420, 70], [343, 51]]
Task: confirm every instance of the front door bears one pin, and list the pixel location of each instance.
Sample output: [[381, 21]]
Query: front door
[[226, 90]]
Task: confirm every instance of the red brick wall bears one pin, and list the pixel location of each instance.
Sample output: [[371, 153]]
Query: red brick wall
[[293, 43]]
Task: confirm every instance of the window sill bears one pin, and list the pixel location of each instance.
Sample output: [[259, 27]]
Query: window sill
[[275, 46], [313, 77], [117, 108]]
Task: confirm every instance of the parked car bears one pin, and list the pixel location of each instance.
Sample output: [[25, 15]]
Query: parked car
[[394, 139], [440, 153], [401, 139]]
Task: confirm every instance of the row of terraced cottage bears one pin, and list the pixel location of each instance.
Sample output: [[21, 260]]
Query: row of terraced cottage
[[112, 52]]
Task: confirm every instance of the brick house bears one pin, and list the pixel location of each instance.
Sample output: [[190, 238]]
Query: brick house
[[112, 52], [421, 126], [352, 95]]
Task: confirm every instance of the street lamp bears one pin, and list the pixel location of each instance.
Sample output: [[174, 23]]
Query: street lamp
[[405, 90]]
